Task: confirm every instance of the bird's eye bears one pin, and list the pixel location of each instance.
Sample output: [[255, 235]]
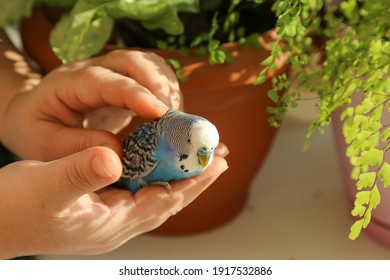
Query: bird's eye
[[189, 140]]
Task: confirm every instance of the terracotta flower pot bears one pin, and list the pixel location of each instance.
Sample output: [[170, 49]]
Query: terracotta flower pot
[[224, 94], [379, 227]]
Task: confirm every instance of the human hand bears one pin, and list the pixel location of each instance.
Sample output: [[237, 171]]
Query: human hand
[[46, 122], [61, 207]]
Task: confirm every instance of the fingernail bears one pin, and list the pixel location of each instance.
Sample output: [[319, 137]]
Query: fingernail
[[222, 151], [161, 107], [103, 167], [225, 152], [226, 168]]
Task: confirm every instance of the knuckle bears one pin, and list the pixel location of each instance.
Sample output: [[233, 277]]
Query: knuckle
[[82, 142], [77, 177], [156, 57], [88, 73], [129, 56], [117, 52], [162, 88]]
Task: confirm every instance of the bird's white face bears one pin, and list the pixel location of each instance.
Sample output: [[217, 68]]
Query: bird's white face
[[204, 139]]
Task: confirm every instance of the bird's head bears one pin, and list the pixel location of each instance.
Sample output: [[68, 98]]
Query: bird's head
[[192, 138], [204, 139]]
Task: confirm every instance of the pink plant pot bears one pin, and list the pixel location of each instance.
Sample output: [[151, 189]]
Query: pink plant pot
[[379, 227]]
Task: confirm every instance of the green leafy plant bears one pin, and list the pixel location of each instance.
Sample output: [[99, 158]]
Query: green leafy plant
[[354, 40], [351, 36], [86, 25]]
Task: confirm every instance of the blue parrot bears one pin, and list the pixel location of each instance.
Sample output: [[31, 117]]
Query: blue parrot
[[173, 147]]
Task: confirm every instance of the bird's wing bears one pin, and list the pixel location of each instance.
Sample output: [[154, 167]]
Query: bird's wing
[[140, 152]]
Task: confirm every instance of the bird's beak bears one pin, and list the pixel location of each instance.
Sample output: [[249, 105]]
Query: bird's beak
[[204, 158]]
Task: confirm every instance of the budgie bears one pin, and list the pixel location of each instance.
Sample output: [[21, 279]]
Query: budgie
[[173, 147]]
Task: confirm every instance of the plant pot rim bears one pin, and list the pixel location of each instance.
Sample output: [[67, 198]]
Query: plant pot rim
[[244, 69]]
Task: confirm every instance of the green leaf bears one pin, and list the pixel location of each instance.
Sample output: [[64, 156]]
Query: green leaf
[[13, 11], [85, 30], [271, 66], [171, 39], [348, 112], [353, 149], [162, 45], [273, 95], [367, 218], [376, 47], [348, 8], [267, 61], [184, 51], [365, 106], [384, 174], [362, 198], [152, 14], [358, 211], [213, 45], [386, 134], [261, 77], [179, 75], [181, 40], [191, 6], [174, 63], [376, 115], [281, 5], [375, 197], [291, 29], [243, 42], [356, 228], [273, 122], [196, 42], [371, 157], [253, 40], [217, 57], [201, 51], [355, 173], [366, 180], [293, 104], [73, 39], [371, 141], [374, 126]]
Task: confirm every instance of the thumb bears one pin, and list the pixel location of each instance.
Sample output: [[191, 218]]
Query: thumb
[[67, 179]]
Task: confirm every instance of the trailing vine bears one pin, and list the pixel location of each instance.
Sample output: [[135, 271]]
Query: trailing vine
[[356, 60]]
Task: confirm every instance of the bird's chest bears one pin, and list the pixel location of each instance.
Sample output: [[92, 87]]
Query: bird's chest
[[171, 165]]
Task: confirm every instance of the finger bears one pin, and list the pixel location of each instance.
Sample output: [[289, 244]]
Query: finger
[[153, 205], [189, 189], [68, 140], [69, 178], [221, 150], [147, 68], [94, 87], [158, 203], [108, 118]]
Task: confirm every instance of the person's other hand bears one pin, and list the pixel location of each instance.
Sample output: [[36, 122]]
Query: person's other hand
[[47, 122], [62, 207]]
